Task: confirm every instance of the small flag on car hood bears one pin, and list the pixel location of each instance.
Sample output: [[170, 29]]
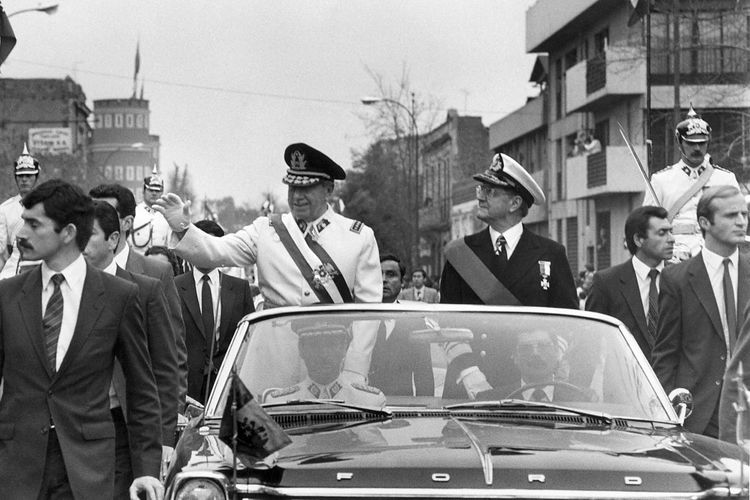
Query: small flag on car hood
[[7, 37], [258, 435]]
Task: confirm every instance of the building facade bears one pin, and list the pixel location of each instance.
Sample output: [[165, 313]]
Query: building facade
[[449, 155], [123, 149], [51, 117], [597, 81]]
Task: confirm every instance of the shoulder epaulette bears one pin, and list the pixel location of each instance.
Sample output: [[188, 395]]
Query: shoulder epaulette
[[365, 388], [723, 169], [356, 227]]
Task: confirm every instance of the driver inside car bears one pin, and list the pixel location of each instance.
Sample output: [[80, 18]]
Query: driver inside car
[[323, 347], [539, 357]]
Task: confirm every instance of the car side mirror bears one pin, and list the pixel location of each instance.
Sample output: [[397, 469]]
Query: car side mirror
[[682, 402]]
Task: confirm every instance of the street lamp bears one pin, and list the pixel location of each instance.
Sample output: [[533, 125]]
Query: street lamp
[[47, 8], [369, 101]]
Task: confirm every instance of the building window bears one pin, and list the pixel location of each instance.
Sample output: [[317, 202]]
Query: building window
[[99, 121], [118, 120], [129, 120], [108, 172], [107, 121], [558, 89], [118, 172], [145, 121], [130, 173], [139, 172], [138, 121]]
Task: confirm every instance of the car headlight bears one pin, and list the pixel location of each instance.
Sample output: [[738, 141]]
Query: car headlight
[[200, 489]]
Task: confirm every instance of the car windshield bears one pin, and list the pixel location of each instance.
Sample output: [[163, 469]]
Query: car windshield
[[437, 358]]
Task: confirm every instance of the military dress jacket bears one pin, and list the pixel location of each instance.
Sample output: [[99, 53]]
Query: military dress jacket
[[351, 245], [150, 228]]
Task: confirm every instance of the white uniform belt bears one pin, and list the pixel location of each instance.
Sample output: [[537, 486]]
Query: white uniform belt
[[686, 228]]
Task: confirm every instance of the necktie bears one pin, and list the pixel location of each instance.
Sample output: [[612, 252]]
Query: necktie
[[539, 395], [500, 249], [653, 303], [207, 306], [731, 307], [419, 295], [52, 321]]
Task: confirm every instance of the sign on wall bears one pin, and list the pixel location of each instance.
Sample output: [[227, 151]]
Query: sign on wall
[[50, 141]]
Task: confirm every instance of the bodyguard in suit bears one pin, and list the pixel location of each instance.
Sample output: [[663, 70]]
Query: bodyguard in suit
[[123, 200], [62, 326], [630, 291], [699, 304], [398, 366], [532, 270], [212, 304], [418, 292], [505, 264], [162, 350]]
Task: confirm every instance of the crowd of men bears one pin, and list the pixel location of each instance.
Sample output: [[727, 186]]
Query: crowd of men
[[101, 346]]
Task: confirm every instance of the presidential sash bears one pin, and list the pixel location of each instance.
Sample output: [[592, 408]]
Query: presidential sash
[[478, 276]]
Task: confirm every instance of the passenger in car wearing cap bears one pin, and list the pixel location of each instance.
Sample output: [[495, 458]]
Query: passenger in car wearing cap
[[511, 266], [323, 348], [350, 272], [150, 228], [26, 173], [679, 186]]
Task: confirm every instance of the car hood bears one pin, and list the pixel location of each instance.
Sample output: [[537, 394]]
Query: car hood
[[478, 452]]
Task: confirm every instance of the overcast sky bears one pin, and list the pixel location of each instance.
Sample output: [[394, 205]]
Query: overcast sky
[[232, 82]]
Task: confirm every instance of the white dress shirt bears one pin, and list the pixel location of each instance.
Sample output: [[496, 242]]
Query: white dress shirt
[[121, 259], [512, 236], [715, 267], [71, 289], [644, 282], [214, 283]]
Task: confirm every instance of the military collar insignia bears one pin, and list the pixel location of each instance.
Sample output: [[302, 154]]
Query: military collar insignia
[[322, 225], [298, 160], [693, 172], [334, 388], [314, 389]]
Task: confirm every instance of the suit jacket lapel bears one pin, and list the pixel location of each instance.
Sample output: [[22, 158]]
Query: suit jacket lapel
[[525, 255], [190, 297], [632, 296], [701, 285], [88, 313], [30, 304], [743, 289]]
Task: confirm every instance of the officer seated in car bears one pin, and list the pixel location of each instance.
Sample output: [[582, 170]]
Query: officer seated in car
[[323, 347]]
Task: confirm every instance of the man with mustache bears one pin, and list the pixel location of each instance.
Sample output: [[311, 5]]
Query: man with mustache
[[679, 186]]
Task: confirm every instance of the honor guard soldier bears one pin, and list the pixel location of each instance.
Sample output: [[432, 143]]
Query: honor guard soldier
[[309, 255], [679, 186], [26, 172], [150, 228], [504, 264], [323, 347]]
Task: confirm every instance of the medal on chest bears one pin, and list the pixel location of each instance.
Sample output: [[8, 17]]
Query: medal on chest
[[545, 269]]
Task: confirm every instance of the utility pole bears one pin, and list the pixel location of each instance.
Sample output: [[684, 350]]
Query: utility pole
[[676, 61]]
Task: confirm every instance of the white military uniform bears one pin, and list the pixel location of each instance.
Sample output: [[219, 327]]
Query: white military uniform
[[150, 228], [10, 224], [350, 244], [353, 393], [670, 184]]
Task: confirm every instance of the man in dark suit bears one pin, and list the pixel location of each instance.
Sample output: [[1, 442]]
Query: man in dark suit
[[630, 291], [399, 367], [123, 200], [505, 264], [162, 350], [210, 329], [63, 325], [533, 270], [699, 304]]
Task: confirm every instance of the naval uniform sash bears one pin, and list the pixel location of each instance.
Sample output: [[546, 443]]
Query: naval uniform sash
[[477, 275], [299, 260], [338, 278], [687, 195]]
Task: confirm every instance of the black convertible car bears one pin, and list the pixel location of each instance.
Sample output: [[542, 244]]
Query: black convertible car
[[450, 402]]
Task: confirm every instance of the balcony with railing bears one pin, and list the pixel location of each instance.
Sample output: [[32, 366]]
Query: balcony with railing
[[600, 81], [610, 171]]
